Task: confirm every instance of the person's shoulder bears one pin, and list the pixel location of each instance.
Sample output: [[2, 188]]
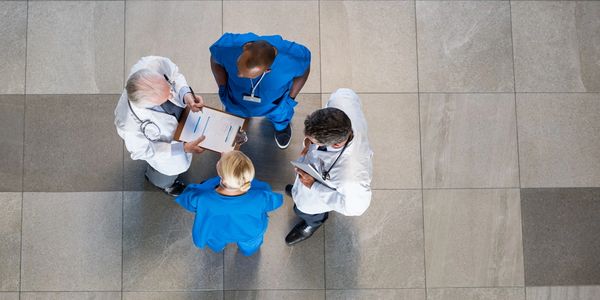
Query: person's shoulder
[[204, 186], [229, 39]]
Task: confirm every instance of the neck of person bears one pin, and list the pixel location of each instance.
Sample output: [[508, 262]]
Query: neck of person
[[229, 192], [342, 144]]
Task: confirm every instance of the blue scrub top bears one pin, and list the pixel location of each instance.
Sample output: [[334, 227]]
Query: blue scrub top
[[292, 61], [226, 219]]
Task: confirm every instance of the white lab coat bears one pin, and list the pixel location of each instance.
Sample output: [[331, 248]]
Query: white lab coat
[[351, 174], [166, 156]]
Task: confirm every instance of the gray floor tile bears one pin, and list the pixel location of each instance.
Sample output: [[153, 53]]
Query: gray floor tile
[[276, 295], [473, 238], [476, 294], [12, 110], [9, 296], [469, 141], [368, 46], [150, 31], [71, 295], [559, 136], [158, 252], [276, 265], [384, 294], [10, 241], [203, 165], [84, 40], [211, 295], [71, 241], [273, 164], [464, 46], [13, 32], [563, 293], [71, 144], [397, 160], [557, 46], [382, 248], [302, 28], [560, 236]]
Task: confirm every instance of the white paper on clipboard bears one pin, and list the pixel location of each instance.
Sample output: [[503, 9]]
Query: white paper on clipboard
[[310, 170], [219, 128]]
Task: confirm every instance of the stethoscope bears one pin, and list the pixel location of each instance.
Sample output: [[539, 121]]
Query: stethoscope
[[149, 129], [325, 175]]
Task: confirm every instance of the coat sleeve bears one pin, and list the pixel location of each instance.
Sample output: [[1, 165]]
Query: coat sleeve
[[352, 199], [143, 149]]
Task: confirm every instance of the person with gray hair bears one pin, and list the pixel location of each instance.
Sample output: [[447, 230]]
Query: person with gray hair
[[147, 116]]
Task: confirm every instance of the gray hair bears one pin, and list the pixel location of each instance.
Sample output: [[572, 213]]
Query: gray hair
[[143, 86]]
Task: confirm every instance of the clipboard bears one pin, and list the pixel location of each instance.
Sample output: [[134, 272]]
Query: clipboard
[[219, 127], [310, 170]]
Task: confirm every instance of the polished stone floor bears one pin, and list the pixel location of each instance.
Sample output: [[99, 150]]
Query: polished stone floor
[[484, 118]]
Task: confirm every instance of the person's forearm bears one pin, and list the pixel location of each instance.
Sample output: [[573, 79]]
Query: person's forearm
[[298, 84], [218, 72]]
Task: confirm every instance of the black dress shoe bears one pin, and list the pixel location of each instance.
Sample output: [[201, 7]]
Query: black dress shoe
[[176, 189], [283, 138], [288, 189], [300, 233]]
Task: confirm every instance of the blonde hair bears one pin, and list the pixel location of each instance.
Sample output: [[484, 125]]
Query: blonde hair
[[145, 85], [236, 170]]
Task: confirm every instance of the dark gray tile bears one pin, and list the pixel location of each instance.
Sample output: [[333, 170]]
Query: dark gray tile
[[273, 164], [276, 265], [13, 33], [71, 144], [12, 110], [384, 294], [75, 47], [203, 165], [476, 294], [275, 295], [210, 295], [560, 236], [158, 252], [71, 241], [71, 295], [382, 248], [10, 241], [563, 293]]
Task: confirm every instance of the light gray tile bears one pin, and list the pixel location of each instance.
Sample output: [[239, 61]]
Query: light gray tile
[[469, 141], [273, 164], [75, 47], [473, 238], [71, 241], [276, 295], [368, 46], [387, 294], [12, 110], [560, 236], [10, 241], [382, 248], [296, 21], [559, 136], [9, 296], [476, 294], [211, 295], [394, 136], [557, 46], [464, 46], [71, 295], [203, 165], [71, 144], [563, 293], [158, 252], [179, 30], [276, 265], [13, 32]]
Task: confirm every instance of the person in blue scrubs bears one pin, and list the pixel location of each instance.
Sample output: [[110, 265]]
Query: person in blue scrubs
[[232, 207], [260, 76]]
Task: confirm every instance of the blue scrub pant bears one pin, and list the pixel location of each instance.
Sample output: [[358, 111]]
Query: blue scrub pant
[[282, 115]]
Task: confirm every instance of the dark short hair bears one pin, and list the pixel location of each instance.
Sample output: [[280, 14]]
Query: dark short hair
[[262, 54], [328, 126]]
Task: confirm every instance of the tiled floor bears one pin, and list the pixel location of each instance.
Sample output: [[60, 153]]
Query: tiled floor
[[484, 117]]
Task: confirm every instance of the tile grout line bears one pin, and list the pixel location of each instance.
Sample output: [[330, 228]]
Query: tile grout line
[[420, 148], [223, 254], [321, 105], [20, 284], [123, 152], [517, 142]]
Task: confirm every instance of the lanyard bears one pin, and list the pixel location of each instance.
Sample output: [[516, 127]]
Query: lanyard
[[255, 86]]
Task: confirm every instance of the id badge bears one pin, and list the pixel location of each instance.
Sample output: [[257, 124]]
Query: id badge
[[251, 98]]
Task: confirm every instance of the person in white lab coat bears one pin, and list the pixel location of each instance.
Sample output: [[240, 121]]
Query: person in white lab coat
[[336, 144], [146, 118]]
